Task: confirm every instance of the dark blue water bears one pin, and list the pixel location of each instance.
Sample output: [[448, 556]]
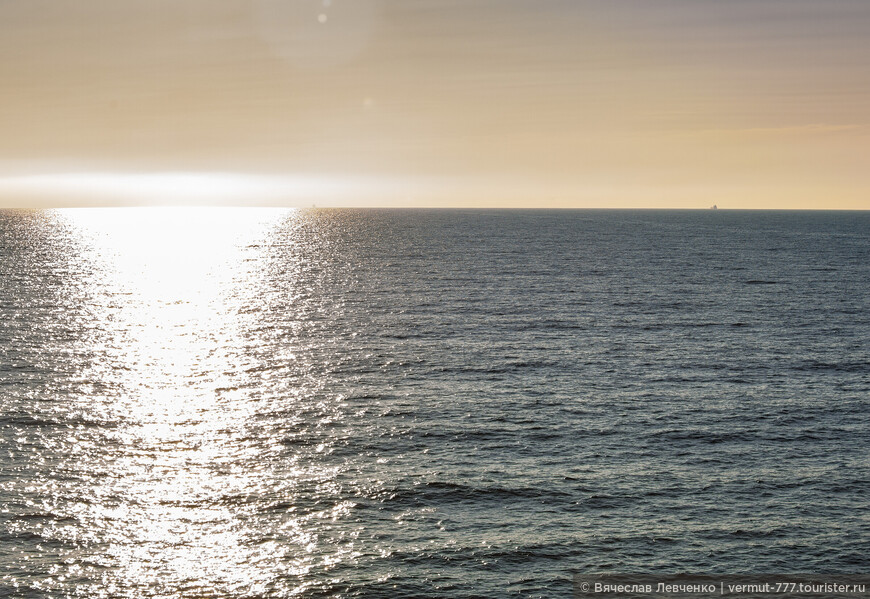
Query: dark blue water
[[249, 403]]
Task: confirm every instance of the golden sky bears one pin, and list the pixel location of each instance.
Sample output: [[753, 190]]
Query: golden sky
[[541, 103]]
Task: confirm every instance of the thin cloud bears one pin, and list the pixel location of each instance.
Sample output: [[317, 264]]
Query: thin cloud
[[789, 130]]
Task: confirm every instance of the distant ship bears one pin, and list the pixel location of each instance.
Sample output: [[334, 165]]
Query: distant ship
[[714, 207]]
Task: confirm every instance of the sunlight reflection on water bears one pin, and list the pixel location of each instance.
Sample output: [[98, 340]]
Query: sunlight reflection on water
[[175, 285]]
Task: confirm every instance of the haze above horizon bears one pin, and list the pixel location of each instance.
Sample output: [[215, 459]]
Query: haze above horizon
[[494, 103]]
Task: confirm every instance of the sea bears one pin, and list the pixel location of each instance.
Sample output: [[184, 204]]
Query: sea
[[246, 403]]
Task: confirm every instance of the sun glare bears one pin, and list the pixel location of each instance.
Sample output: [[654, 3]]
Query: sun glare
[[174, 273], [177, 279], [174, 188]]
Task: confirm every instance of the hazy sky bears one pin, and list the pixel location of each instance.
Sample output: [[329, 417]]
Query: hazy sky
[[606, 103]]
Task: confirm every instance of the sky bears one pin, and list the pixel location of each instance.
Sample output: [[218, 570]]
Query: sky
[[493, 103]]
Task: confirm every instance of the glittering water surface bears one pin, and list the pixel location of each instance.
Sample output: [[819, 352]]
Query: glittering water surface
[[261, 403]]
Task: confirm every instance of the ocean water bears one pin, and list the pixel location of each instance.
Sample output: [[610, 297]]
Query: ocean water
[[338, 403]]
